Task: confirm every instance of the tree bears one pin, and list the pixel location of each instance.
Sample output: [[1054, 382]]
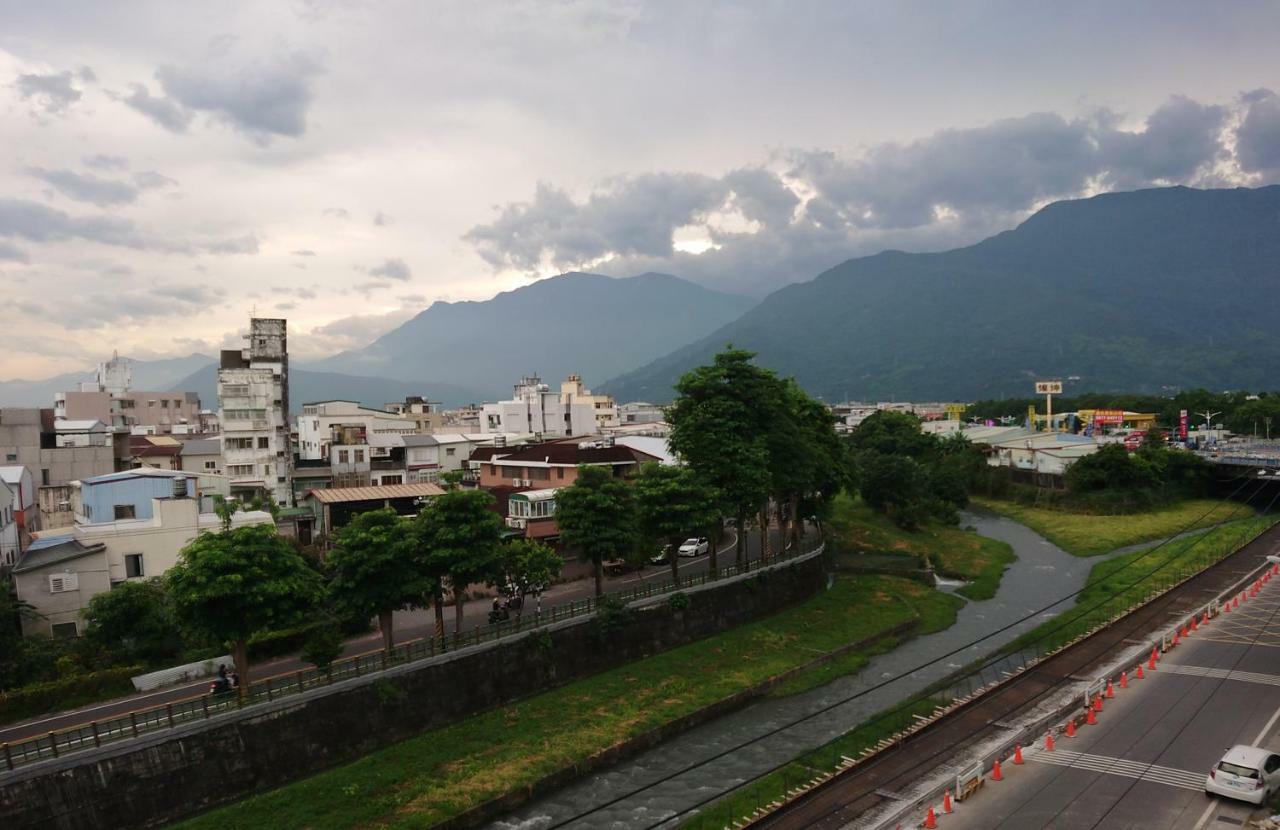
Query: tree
[[134, 620], [596, 517], [225, 509], [895, 485], [323, 645], [374, 571], [458, 539], [673, 503], [809, 463], [720, 425], [894, 433], [22, 659], [529, 567], [237, 583]]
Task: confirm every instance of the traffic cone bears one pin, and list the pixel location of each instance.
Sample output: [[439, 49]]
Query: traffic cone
[[1195, 625], [1110, 691], [930, 821], [1226, 607], [1124, 680], [946, 802], [996, 775], [1071, 728], [1175, 636], [1097, 703], [1048, 741], [1205, 621], [1184, 631], [1138, 674], [1151, 662], [1091, 718], [1017, 753]]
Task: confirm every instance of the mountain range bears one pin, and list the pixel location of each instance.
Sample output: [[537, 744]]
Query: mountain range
[[1141, 291]]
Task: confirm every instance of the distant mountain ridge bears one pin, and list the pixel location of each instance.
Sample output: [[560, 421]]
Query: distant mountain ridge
[[590, 324], [148, 376], [1138, 291]]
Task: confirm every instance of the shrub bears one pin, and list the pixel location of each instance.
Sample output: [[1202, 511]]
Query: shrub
[[678, 601], [66, 692]]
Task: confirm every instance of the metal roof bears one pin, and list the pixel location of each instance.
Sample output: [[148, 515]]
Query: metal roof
[[536, 495], [202, 446], [12, 474], [335, 495], [64, 549]]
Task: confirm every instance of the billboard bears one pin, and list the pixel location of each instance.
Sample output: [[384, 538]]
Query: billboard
[[1182, 424], [1048, 387], [1108, 416]]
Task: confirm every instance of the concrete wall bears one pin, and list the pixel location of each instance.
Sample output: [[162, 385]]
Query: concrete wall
[[156, 780]]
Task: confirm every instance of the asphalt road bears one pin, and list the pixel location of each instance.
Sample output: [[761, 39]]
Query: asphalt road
[[1144, 764], [408, 625]]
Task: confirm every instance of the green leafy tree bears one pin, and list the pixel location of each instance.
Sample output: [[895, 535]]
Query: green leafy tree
[[528, 568], [23, 659], [597, 518], [894, 433], [458, 539], [809, 463], [134, 621], [673, 503], [237, 583], [720, 426], [323, 645], [225, 510], [373, 569]]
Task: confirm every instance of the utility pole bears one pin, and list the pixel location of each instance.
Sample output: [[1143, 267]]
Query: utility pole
[[1208, 417]]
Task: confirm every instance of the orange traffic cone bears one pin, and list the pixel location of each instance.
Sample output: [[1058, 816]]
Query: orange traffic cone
[[1226, 607], [946, 802], [1091, 718], [930, 821], [1097, 703], [1048, 741], [996, 775], [1184, 631], [1124, 680], [1235, 603], [1110, 691], [1138, 674], [1175, 636], [1071, 728], [1151, 662], [1195, 625], [1205, 621], [1017, 753]]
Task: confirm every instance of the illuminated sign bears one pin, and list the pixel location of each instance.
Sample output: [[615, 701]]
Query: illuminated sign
[[1048, 387], [1108, 416]]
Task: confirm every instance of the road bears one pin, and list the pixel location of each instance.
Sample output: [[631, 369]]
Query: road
[[409, 625], [1144, 764]]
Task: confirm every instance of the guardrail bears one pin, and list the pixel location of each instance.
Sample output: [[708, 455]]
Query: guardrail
[[95, 733]]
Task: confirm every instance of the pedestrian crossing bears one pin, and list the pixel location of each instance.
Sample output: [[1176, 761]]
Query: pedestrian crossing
[[1219, 674], [1156, 774]]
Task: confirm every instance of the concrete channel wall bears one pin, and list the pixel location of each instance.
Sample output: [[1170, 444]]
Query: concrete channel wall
[[157, 779]]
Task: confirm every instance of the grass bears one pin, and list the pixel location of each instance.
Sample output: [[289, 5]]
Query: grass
[[1118, 583], [961, 554], [1086, 534], [439, 774]]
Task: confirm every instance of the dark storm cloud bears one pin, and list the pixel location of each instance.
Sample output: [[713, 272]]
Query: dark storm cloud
[[86, 187], [1258, 136], [164, 111], [392, 269], [53, 93], [1178, 139], [262, 100], [25, 219]]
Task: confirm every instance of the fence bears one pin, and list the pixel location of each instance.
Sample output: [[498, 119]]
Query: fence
[[95, 733]]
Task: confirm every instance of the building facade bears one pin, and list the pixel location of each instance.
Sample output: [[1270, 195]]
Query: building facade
[[538, 410], [253, 410]]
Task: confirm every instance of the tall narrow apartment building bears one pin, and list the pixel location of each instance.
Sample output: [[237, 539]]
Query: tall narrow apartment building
[[253, 408]]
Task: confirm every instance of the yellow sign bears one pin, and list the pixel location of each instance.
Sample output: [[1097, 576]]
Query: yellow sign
[[1048, 387], [955, 411]]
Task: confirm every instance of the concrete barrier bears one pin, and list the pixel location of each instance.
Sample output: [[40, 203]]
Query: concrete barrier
[[181, 674]]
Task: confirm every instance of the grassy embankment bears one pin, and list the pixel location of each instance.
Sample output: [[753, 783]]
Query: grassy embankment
[[858, 530], [1088, 534], [439, 774]]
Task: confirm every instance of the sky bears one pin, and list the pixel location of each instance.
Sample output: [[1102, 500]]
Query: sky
[[172, 168]]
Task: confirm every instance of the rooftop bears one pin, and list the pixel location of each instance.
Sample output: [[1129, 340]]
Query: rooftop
[[12, 474], [202, 446], [53, 550], [338, 495]]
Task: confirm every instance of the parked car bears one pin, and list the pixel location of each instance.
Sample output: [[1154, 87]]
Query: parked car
[[695, 547], [1248, 773]]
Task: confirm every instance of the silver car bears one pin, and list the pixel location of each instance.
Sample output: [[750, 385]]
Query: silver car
[[1248, 773]]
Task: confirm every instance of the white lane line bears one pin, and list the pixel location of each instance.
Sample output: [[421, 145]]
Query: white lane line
[[1154, 773], [1222, 674]]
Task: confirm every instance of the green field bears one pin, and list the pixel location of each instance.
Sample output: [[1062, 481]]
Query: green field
[[1086, 534], [856, 529], [439, 774]]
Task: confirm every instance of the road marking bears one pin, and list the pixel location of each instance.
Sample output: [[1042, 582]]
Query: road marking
[[1221, 674], [1154, 773]]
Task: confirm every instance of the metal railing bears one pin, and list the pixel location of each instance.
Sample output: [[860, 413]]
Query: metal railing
[[95, 733]]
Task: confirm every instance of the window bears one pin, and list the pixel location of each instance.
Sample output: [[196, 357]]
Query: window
[[11, 456], [266, 470], [239, 470], [539, 473], [44, 475], [493, 469], [263, 443], [164, 404], [343, 456], [559, 472], [211, 465], [449, 451], [125, 511], [239, 443], [359, 456], [133, 565], [59, 583], [392, 480], [65, 631]]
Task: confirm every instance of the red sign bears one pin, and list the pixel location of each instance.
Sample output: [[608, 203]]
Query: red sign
[[1108, 416], [1182, 424]]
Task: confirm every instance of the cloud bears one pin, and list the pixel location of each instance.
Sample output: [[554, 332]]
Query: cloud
[[263, 100], [52, 93], [163, 111], [392, 269], [25, 219], [105, 162], [195, 294], [337, 213], [304, 252], [1178, 139], [12, 253], [1258, 136], [98, 309], [416, 300], [381, 219], [150, 179], [352, 332], [301, 292], [285, 306], [86, 187], [247, 244], [367, 288]]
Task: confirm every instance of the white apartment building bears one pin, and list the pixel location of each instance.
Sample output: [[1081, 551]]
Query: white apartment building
[[253, 409], [324, 424], [538, 410], [604, 406], [426, 457]]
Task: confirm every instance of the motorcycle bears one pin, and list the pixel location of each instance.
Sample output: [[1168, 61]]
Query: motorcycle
[[224, 685]]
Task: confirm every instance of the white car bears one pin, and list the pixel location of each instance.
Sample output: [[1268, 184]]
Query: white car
[[1248, 773], [695, 547]]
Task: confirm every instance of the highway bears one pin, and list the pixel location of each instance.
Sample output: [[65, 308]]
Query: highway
[[1144, 764], [409, 625]]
